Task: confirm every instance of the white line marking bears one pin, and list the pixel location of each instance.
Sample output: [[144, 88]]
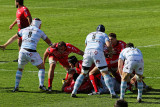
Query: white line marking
[[148, 46], [59, 72]]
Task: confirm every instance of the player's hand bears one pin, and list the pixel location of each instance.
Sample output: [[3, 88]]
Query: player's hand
[[11, 26], [2, 47]]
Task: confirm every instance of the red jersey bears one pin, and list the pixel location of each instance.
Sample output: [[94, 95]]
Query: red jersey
[[117, 49], [22, 14], [53, 52]]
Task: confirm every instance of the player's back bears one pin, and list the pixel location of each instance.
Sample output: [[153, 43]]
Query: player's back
[[131, 53], [30, 37], [96, 40]]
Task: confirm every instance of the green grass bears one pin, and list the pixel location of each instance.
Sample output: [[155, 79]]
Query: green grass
[[134, 21]]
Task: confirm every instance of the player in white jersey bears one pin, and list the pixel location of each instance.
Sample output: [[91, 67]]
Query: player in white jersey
[[95, 42], [132, 59], [30, 37]]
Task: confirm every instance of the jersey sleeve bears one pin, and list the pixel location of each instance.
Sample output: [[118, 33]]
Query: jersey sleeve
[[72, 48], [121, 56], [43, 35], [19, 33], [26, 12], [106, 37]]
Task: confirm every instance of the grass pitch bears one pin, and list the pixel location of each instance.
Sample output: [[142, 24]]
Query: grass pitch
[[134, 21]]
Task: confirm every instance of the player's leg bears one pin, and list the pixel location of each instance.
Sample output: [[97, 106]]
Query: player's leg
[[21, 63], [92, 77], [79, 81], [125, 78], [139, 86]]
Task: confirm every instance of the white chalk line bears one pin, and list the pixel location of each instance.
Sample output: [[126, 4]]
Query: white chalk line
[[59, 72]]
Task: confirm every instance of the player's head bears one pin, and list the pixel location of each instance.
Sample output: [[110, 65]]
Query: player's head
[[18, 2], [36, 22], [113, 38], [101, 28], [61, 46], [131, 45], [72, 60], [121, 103]]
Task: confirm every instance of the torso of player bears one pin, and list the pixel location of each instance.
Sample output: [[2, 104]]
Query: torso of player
[[54, 51], [30, 37], [21, 15], [96, 40]]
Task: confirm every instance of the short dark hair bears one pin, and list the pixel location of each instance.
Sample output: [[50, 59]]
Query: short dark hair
[[121, 103], [20, 2], [62, 43], [73, 60], [130, 45], [113, 35]]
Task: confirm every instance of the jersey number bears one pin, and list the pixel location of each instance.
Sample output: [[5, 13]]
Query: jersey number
[[30, 34], [94, 36]]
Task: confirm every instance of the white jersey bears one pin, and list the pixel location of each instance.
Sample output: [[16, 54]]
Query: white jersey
[[130, 54], [30, 37], [96, 40]]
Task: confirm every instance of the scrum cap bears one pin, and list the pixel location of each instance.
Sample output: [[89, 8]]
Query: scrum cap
[[36, 22], [101, 28], [131, 45], [73, 60]]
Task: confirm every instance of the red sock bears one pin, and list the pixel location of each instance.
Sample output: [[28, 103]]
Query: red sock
[[50, 82], [66, 76], [94, 82]]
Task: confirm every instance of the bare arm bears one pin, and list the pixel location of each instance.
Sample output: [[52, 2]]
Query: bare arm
[[11, 26], [12, 39], [109, 46], [48, 41], [80, 53], [29, 18], [45, 56], [120, 66]]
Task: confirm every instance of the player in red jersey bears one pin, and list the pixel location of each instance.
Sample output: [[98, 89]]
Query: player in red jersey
[[117, 47], [59, 52], [68, 85], [23, 19]]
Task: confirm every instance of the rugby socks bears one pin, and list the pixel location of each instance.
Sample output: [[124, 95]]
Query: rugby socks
[[50, 82], [41, 75], [18, 78], [78, 83], [94, 82], [109, 84], [123, 88], [140, 89]]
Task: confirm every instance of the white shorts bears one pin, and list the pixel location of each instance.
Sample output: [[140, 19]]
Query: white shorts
[[135, 64], [25, 57], [94, 56]]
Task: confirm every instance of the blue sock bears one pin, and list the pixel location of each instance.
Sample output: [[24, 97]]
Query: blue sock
[[41, 75], [18, 78], [78, 83], [109, 84], [140, 89], [123, 88]]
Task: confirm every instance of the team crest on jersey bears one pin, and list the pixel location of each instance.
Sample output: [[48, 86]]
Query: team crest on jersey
[[98, 61], [95, 52]]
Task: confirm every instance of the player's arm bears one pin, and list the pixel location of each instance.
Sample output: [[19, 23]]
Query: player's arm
[[12, 39], [48, 41], [29, 18], [45, 55], [109, 47], [120, 66], [11, 26]]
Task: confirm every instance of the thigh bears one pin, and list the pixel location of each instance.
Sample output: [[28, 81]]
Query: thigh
[[139, 68], [35, 58], [87, 60], [99, 59], [128, 66], [22, 60]]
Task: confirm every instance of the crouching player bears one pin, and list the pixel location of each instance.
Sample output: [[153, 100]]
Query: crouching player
[[132, 59], [86, 86], [59, 52]]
